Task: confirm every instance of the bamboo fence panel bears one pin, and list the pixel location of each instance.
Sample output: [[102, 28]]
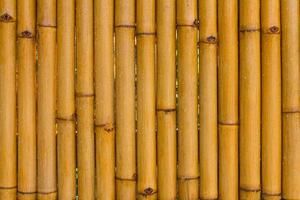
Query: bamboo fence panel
[[290, 16], [85, 100], [46, 100], [208, 100], [104, 91], [250, 100], [188, 166], [8, 159], [125, 99], [146, 99], [26, 61], [228, 98], [66, 99], [271, 100], [146, 136], [166, 98]]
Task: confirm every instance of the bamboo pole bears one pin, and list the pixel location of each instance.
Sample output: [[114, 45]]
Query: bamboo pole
[[8, 155], [250, 92], [166, 98], [188, 167], [146, 137], [125, 100], [290, 16], [228, 98], [104, 94], [85, 100], [26, 57], [271, 100], [208, 100], [66, 99]]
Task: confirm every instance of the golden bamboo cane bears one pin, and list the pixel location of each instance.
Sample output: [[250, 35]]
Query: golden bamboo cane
[[85, 100], [46, 100], [271, 100], [146, 137], [188, 167], [290, 16], [208, 100], [8, 154], [166, 98], [104, 93], [26, 57], [125, 100], [250, 92], [66, 99], [228, 98]]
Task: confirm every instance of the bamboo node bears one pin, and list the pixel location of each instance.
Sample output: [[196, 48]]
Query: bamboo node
[[188, 178], [167, 110], [125, 26], [6, 18], [145, 33], [273, 30], [271, 194], [26, 34], [249, 190], [133, 179], [209, 40], [249, 30], [148, 192], [108, 127]]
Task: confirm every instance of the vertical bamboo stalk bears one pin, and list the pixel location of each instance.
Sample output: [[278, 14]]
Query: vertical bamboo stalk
[[290, 16], [250, 92], [188, 167], [26, 57], [228, 98], [46, 105], [271, 100], [208, 100], [66, 99], [166, 98], [8, 155], [146, 139], [104, 91], [125, 100], [85, 100]]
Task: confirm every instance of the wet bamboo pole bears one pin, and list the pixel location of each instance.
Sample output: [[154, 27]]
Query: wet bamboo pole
[[188, 167], [250, 100], [8, 155], [208, 100], [66, 99], [125, 100], [85, 100], [290, 16], [26, 57], [146, 136], [271, 100], [228, 98], [166, 98], [104, 94], [46, 100]]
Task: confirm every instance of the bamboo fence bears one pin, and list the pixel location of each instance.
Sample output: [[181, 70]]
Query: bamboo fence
[[149, 99]]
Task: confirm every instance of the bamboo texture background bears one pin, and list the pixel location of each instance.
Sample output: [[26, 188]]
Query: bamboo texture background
[[149, 99]]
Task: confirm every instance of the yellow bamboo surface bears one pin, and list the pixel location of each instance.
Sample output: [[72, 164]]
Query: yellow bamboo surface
[[149, 99], [8, 150], [228, 98], [188, 166], [125, 100], [26, 64], [65, 116], [104, 91], [290, 16], [271, 100], [146, 137], [166, 99], [249, 97], [85, 100], [208, 100]]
